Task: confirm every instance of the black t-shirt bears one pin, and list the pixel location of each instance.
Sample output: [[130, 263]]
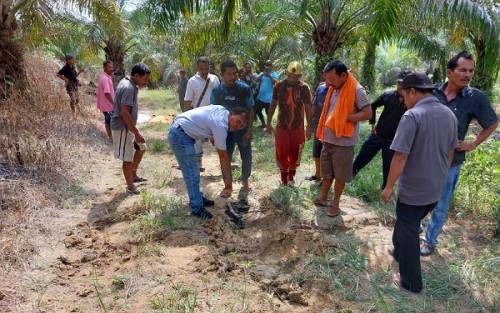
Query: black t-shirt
[[388, 122], [70, 73]]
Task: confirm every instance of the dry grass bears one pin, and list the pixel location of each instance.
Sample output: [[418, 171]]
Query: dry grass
[[40, 144]]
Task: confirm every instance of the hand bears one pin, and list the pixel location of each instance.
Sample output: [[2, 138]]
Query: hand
[[269, 129], [82, 69], [226, 192], [139, 138], [249, 134], [374, 130], [212, 141], [387, 194], [464, 146]]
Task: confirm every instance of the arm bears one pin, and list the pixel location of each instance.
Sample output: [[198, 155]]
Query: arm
[[450, 157], [251, 117], [63, 78], [127, 120], [397, 165], [227, 177], [362, 115], [272, 107], [109, 97], [309, 115], [187, 106], [485, 133]]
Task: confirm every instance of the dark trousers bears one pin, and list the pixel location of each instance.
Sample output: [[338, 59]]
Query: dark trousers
[[406, 243], [245, 147], [369, 150], [259, 106]]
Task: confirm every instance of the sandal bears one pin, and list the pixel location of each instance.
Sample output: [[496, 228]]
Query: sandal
[[133, 191], [333, 211], [318, 202], [140, 179]]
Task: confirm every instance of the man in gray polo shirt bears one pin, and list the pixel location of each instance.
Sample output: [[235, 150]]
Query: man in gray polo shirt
[[128, 143], [212, 121], [423, 145]]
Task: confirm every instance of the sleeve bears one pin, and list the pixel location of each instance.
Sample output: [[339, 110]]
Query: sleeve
[[188, 96], [108, 87], [62, 71], [274, 75], [127, 97], [276, 89], [361, 99], [213, 97], [405, 134], [375, 104], [249, 98], [220, 135], [485, 114], [307, 94]]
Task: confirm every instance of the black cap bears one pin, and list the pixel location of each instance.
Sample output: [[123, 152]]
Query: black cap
[[417, 80], [69, 56], [402, 75]]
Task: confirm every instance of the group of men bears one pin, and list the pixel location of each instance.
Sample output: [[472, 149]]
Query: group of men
[[421, 132]]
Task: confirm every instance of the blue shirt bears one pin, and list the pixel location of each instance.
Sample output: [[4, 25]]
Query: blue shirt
[[469, 103], [266, 87], [238, 95], [318, 101]]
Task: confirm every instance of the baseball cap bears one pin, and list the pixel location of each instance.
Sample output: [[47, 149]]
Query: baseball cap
[[69, 56], [417, 80], [294, 68], [402, 75]]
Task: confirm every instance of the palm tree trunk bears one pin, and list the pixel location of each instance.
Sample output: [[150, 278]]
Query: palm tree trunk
[[484, 76], [368, 71], [12, 72], [115, 53]]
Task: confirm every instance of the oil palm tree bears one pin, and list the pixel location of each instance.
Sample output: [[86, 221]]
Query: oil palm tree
[[26, 21]]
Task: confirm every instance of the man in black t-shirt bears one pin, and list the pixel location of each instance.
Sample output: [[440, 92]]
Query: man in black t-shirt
[[70, 76], [383, 133]]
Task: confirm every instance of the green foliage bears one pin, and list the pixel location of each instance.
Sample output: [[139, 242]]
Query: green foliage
[[182, 299], [479, 184], [291, 200]]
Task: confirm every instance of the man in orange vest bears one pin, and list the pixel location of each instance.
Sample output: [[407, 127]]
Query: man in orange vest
[[346, 105]]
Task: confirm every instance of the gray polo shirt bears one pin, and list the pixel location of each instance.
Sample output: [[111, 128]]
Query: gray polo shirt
[[126, 94], [360, 102], [205, 122], [426, 133]]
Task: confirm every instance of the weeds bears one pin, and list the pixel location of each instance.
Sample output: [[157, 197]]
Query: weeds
[[182, 300], [292, 201]]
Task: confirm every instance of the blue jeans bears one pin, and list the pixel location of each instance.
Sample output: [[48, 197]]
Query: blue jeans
[[440, 212], [245, 147], [369, 150], [183, 147]]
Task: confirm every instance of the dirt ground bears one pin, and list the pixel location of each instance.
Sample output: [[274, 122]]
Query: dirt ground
[[88, 254]]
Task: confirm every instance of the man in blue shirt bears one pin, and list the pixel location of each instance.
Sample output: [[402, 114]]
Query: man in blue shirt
[[267, 79], [236, 94]]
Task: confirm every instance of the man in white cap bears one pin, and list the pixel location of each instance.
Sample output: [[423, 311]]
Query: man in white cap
[[293, 98]]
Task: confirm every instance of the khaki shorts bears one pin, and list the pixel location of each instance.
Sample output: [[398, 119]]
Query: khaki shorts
[[124, 145], [336, 162]]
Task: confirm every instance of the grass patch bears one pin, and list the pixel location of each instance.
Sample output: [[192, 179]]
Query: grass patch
[[292, 201], [181, 300], [164, 214], [161, 101]]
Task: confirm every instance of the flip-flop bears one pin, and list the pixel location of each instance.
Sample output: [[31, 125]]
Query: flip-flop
[[334, 213], [134, 191], [320, 203], [140, 179]]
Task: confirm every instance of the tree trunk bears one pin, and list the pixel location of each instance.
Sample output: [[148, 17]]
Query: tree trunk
[[368, 70], [115, 52], [12, 72], [484, 77]]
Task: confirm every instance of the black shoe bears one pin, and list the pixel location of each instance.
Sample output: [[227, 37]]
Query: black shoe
[[207, 202], [312, 178], [241, 206], [203, 214], [234, 217], [426, 249]]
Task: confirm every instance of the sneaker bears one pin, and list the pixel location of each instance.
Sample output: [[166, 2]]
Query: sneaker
[[427, 249], [203, 214], [235, 218], [207, 202]]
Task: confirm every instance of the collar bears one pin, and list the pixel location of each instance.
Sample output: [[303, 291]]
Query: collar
[[131, 81], [426, 100], [463, 92], [198, 76], [107, 75]]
